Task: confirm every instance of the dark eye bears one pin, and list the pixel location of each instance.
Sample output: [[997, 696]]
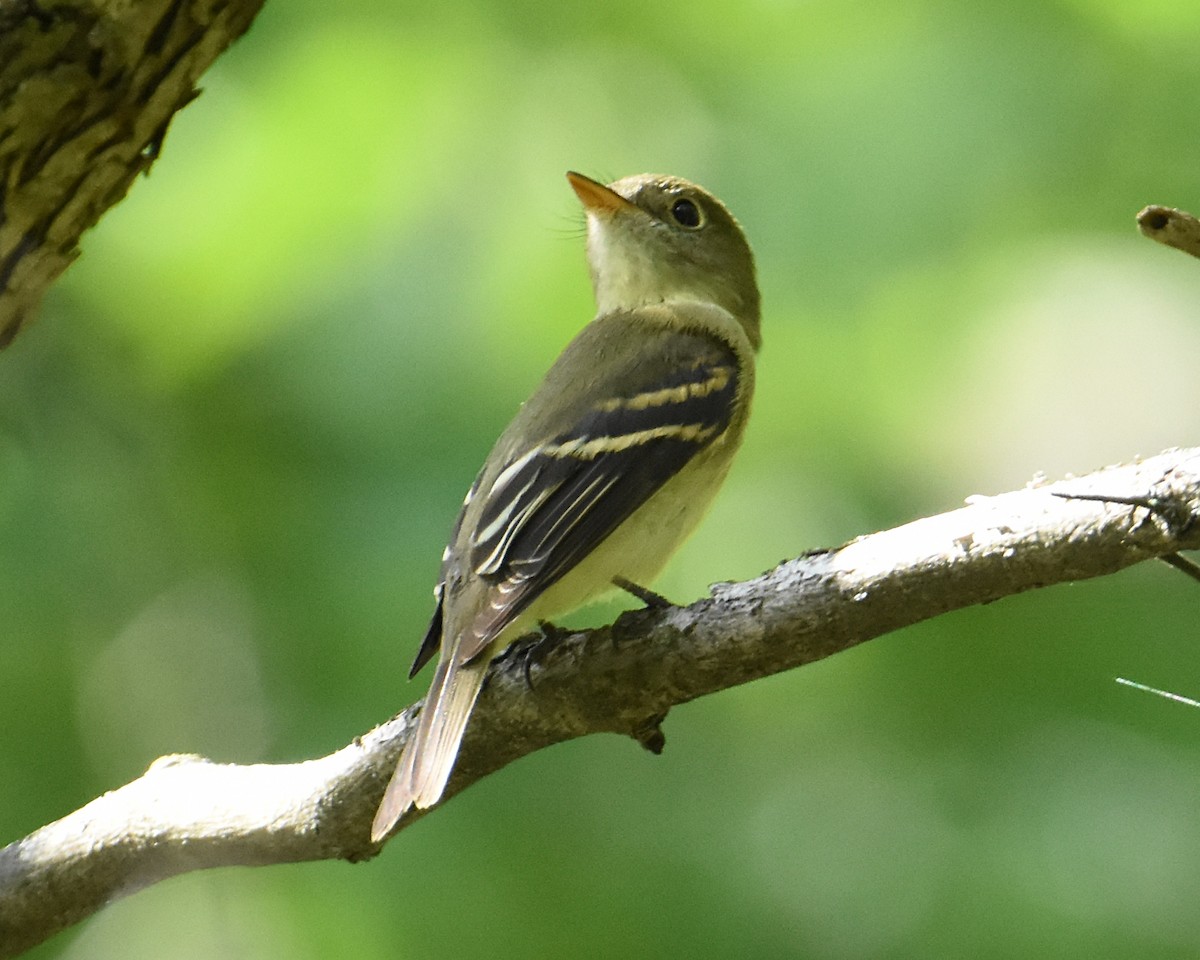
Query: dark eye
[[687, 214]]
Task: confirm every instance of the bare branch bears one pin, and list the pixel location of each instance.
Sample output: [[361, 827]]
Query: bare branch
[[1171, 227], [187, 813], [87, 90]]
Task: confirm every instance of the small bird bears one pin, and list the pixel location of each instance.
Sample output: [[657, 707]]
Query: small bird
[[610, 464]]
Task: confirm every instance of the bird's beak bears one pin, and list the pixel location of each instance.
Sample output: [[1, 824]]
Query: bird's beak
[[596, 197]]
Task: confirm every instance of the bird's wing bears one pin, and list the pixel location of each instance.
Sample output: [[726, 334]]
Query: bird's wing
[[553, 501]]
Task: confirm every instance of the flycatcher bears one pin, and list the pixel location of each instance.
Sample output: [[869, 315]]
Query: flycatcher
[[610, 464]]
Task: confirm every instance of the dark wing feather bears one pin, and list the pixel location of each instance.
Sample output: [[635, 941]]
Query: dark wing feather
[[433, 636], [432, 640], [601, 493], [551, 506]]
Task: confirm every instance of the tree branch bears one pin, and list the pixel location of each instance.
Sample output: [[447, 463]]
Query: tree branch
[[87, 90], [187, 813], [1171, 227]]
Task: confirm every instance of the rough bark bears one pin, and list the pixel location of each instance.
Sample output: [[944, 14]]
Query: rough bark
[[87, 91], [187, 813]]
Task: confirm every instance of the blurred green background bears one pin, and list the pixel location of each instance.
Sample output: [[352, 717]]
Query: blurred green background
[[233, 444]]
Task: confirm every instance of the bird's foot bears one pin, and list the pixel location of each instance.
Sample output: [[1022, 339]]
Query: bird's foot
[[654, 601]]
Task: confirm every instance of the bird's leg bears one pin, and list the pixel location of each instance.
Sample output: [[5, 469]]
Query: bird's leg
[[551, 635], [654, 601]]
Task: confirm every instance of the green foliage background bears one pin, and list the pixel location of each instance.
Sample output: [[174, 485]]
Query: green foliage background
[[231, 449]]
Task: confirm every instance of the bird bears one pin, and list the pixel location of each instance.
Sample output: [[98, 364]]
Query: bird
[[612, 461]]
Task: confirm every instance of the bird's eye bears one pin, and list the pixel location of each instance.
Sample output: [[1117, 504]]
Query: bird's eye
[[687, 214]]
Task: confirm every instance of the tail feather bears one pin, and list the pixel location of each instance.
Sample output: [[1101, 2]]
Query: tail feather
[[423, 770]]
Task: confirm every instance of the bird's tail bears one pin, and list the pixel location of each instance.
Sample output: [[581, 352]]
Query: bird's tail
[[428, 758]]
